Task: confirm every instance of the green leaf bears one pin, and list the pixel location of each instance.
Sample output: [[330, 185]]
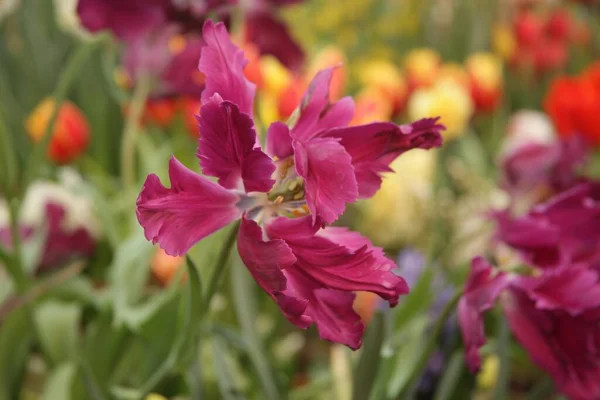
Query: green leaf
[[503, 351], [57, 324], [60, 383], [225, 378], [450, 377], [16, 337], [370, 357], [244, 298], [128, 277], [413, 339], [417, 302]]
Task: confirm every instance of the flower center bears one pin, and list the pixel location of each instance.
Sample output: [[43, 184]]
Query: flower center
[[287, 196]]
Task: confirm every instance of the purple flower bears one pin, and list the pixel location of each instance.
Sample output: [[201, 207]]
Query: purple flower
[[60, 244], [283, 196], [554, 311]]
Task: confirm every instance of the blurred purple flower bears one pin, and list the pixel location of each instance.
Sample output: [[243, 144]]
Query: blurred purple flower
[[60, 245], [305, 178], [555, 311]]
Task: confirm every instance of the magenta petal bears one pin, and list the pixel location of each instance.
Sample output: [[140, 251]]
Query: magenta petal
[[481, 291], [572, 288], [279, 141], [339, 259], [226, 148], [330, 181], [566, 347], [374, 146], [128, 20], [272, 37], [335, 318], [193, 208], [264, 259], [316, 113], [223, 64]]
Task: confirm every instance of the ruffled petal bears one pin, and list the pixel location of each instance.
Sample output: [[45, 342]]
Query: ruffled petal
[[226, 148], [572, 288], [193, 208], [264, 259], [279, 141], [223, 64], [330, 181], [481, 291], [339, 259], [374, 146], [316, 114]]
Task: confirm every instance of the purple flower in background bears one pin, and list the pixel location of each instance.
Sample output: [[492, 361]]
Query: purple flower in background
[[554, 311], [60, 244], [284, 195]]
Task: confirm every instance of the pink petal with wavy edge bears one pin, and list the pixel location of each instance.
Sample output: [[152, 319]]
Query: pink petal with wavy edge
[[279, 141], [316, 113], [566, 347], [222, 64], [374, 146], [572, 288], [193, 208], [481, 291], [226, 148], [327, 272], [330, 181]]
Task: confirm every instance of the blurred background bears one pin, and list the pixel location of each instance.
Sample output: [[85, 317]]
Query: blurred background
[[89, 106]]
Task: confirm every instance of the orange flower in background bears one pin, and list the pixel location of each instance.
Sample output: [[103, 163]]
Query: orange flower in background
[[331, 56], [160, 111], [365, 304], [253, 71], [573, 103], [389, 80], [422, 67], [290, 97], [454, 72], [71, 133], [165, 267], [486, 80], [372, 104], [190, 106]]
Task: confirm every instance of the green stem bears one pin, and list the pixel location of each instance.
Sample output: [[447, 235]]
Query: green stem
[[431, 345], [220, 265], [138, 101], [67, 77], [15, 268], [10, 163]]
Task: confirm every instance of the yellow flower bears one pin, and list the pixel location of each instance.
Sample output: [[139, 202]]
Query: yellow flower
[[422, 66], [454, 72], [267, 108], [485, 69], [503, 41], [276, 76], [451, 101], [488, 376], [155, 396], [398, 213]]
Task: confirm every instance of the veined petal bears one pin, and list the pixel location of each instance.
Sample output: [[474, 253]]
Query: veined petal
[[193, 208], [223, 64], [374, 146], [279, 141], [481, 291], [330, 181], [572, 288], [316, 113], [264, 258], [226, 148], [329, 267], [339, 259]]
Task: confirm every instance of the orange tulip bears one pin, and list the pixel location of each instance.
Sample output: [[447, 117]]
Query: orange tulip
[[165, 267], [71, 133]]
